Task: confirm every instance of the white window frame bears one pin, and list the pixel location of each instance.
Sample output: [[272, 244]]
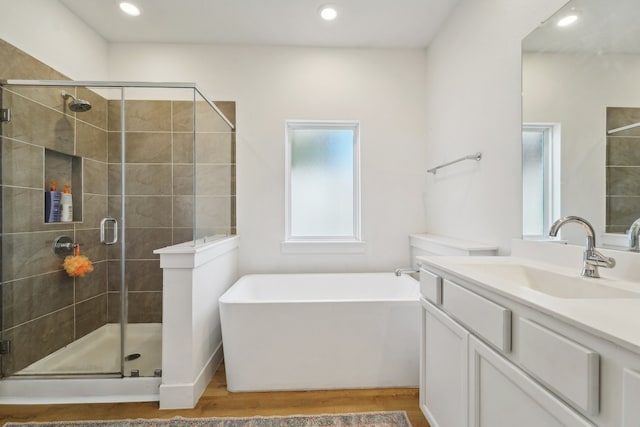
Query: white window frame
[[552, 132], [324, 244]]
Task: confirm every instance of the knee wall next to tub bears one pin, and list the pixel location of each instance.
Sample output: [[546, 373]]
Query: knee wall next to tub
[[335, 331]]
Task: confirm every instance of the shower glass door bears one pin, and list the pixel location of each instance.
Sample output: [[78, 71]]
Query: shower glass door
[[145, 166], [59, 314]]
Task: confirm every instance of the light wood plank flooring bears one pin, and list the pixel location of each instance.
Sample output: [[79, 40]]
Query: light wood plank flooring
[[218, 402]]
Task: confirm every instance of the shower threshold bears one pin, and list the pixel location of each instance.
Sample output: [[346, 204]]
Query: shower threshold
[[99, 353], [49, 381]]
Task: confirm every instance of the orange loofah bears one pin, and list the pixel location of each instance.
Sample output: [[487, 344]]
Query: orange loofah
[[77, 265]]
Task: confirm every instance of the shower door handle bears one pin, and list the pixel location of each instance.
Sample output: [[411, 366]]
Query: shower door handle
[[103, 224]]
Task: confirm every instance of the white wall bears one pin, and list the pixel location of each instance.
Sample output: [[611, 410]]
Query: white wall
[[48, 31], [574, 90], [474, 104], [383, 89]]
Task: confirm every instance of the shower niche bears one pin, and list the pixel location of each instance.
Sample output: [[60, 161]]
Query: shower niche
[[63, 169]]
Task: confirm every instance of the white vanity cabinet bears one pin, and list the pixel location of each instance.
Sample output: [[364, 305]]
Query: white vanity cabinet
[[502, 395], [470, 374], [443, 373]]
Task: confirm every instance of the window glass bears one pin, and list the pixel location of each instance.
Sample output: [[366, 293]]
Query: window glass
[[323, 194]]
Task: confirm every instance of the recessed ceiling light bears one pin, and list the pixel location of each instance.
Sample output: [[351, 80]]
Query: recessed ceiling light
[[130, 8], [328, 12], [567, 20]]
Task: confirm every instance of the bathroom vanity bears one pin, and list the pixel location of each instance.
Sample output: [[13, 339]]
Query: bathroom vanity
[[524, 340]]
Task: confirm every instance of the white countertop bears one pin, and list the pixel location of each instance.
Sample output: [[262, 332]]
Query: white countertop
[[614, 319]]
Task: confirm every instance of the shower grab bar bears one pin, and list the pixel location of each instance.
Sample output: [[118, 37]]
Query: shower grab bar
[[103, 224], [475, 157]]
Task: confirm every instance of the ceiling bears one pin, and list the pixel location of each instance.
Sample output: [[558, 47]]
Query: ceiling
[[609, 26], [360, 23]]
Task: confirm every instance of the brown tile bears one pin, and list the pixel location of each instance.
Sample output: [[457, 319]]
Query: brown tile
[[209, 120], [90, 315], [182, 234], [95, 209], [213, 215], [182, 118], [90, 246], [215, 148], [95, 177], [623, 151], [140, 275], [114, 179], [147, 211], [22, 164], [228, 108], [26, 299], [31, 254], [24, 211], [214, 180], [91, 142], [151, 180], [49, 96], [183, 147], [113, 307], [141, 147], [141, 242], [97, 115], [183, 211], [142, 116], [54, 130], [58, 167], [623, 181], [18, 65], [622, 210], [37, 339], [148, 147], [183, 180], [622, 116], [92, 284], [145, 307]]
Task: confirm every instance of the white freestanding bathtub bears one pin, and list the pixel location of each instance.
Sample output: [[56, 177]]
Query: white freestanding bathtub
[[321, 331]]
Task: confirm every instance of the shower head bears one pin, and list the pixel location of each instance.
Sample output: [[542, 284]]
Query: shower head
[[76, 105]]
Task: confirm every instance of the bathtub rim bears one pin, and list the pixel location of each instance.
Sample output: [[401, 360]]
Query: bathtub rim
[[227, 299]]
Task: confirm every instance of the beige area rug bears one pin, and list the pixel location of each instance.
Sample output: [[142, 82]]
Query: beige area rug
[[364, 419]]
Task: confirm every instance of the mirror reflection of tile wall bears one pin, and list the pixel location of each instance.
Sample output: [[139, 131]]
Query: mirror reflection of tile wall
[[623, 169]]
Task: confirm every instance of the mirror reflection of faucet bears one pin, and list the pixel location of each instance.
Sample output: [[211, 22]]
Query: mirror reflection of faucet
[[592, 258], [634, 236]]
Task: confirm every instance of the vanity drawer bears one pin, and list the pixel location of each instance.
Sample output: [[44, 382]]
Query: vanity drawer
[[571, 370], [488, 319], [431, 286]]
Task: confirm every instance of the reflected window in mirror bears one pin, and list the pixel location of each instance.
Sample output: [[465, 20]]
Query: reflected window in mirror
[[540, 178]]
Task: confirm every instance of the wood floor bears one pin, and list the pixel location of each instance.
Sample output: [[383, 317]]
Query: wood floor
[[218, 402]]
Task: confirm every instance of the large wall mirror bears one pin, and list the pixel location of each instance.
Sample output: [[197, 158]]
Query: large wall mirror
[[581, 98]]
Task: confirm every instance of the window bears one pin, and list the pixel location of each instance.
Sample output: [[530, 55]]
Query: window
[[322, 182], [540, 178]]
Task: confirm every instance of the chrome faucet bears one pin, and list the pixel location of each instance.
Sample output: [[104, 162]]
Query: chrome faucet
[[592, 258], [401, 271], [634, 236]]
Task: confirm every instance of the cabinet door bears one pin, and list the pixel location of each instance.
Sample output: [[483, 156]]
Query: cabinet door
[[443, 369], [501, 395]]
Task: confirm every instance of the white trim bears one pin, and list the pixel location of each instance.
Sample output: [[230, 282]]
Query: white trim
[[322, 247]]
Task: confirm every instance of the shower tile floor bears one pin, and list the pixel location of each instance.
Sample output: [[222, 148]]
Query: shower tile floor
[[99, 353]]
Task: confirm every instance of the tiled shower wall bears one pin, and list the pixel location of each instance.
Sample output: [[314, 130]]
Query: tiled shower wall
[[43, 309], [623, 170], [159, 191]]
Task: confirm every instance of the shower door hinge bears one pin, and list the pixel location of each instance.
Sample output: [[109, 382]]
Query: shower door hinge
[[5, 347], [5, 115]]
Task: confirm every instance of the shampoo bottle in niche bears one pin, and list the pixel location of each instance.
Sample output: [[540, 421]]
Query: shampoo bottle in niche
[[66, 205], [52, 200]]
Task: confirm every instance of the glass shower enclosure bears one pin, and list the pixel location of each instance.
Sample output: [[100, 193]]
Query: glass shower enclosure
[[144, 166]]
